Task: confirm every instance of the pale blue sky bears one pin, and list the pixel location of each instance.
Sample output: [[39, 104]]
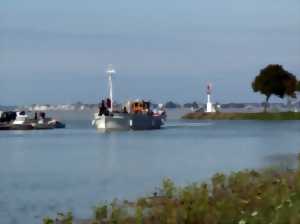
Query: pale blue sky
[[57, 51]]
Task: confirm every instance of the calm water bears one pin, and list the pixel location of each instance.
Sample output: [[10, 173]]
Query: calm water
[[43, 172]]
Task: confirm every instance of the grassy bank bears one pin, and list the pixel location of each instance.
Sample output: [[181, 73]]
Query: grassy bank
[[245, 197], [243, 116]]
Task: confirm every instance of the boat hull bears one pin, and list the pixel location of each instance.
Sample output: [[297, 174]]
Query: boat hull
[[43, 126], [5, 127], [21, 127], [116, 122], [145, 122], [127, 121], [47, 123]]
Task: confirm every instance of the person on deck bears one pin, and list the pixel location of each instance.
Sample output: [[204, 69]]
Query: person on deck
[[108, 103], [102, 108]]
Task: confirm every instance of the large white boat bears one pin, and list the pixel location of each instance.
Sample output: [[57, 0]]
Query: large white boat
[[136, 115]]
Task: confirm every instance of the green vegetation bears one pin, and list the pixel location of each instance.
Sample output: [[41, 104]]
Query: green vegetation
[[243, 116], [274, 80], [245, 197], [60, 219]]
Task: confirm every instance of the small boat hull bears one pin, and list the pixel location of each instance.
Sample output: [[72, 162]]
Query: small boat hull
[[21, 127], [52, 124], [4, 127], [20, 121], [44, 126], [59, 125]]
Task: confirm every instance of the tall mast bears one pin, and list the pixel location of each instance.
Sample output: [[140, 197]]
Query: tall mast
[[110, 71]]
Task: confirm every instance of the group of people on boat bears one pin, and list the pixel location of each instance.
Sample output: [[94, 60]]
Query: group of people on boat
[[135, 107], [104, 107]]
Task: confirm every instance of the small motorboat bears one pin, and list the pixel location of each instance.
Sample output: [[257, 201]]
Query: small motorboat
[[40, 122], [19, 120], [12, 120]]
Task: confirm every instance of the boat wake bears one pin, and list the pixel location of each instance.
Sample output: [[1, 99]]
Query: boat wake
[[187, 125]]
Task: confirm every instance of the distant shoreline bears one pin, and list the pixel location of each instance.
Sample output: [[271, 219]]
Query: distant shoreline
[[230, 107], [243, 116]]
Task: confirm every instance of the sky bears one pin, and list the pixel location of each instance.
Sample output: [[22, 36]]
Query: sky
[[57, 51]]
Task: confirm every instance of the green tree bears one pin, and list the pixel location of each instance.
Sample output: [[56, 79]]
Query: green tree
[[275, 80]]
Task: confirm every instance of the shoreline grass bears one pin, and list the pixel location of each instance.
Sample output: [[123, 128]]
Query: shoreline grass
[[263, 116], [244, 197]]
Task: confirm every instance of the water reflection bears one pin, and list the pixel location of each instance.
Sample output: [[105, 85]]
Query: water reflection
[[283, 161]]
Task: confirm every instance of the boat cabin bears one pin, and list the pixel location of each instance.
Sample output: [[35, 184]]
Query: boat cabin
[[140, 107]]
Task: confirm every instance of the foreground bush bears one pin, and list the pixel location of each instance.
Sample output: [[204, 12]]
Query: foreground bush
[[245, 197]]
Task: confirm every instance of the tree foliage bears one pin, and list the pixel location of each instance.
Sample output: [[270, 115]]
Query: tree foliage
[[275, 80]]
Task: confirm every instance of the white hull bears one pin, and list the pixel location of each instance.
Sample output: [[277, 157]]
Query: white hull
[[116, 122], [127, 121]]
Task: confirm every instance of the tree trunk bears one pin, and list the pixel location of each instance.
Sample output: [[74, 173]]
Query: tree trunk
[[266, 104]]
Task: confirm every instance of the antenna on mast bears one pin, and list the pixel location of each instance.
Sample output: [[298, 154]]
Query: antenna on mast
[[110, 71], [209, 88]]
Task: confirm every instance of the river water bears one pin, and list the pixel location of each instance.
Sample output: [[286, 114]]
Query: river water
[[48, 171]]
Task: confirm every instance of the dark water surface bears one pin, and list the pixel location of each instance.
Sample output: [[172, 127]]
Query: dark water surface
[[43, 172]]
